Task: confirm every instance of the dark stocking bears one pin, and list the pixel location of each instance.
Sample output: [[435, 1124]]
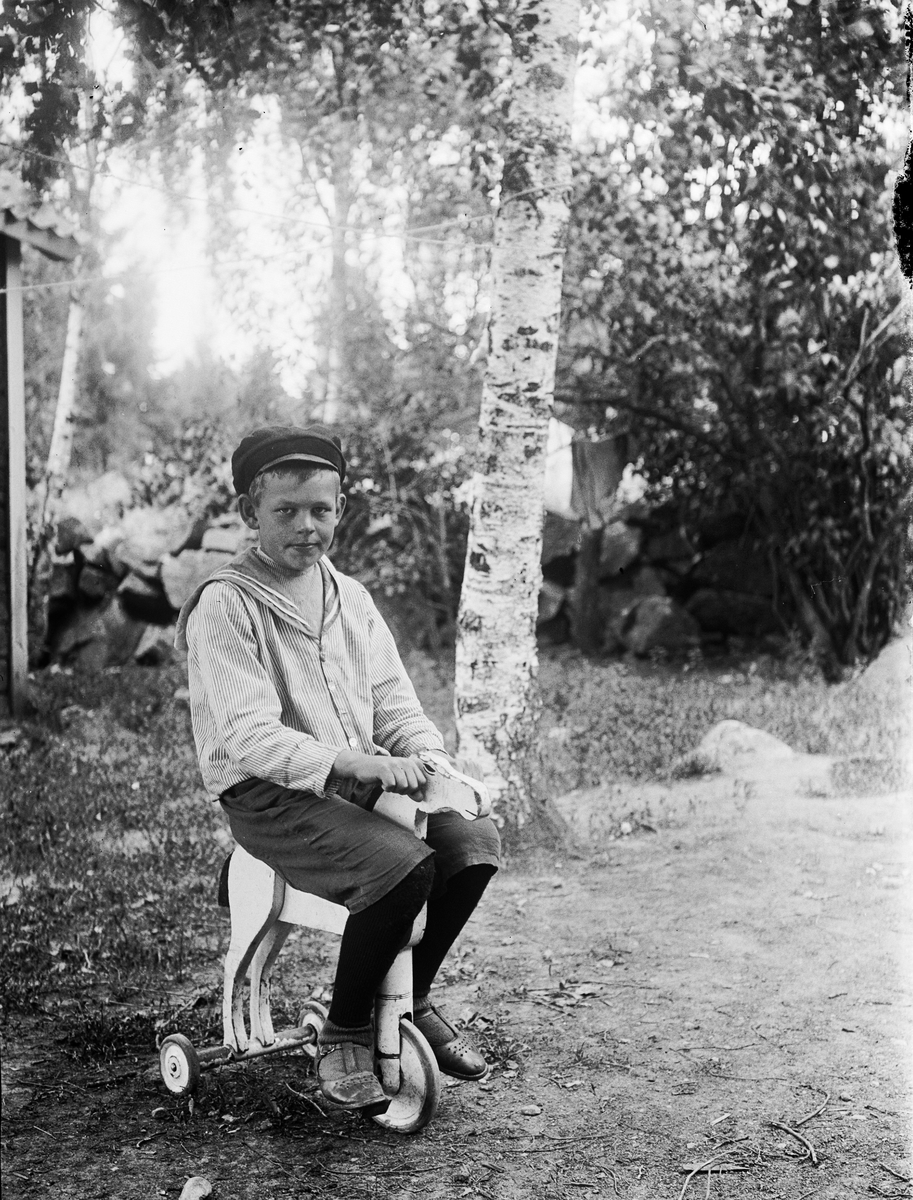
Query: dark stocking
[[371, 940], [447, 914]]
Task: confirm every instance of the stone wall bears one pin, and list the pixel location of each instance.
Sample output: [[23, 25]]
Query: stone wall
[[637, 585], [642, 583], [115, 597]]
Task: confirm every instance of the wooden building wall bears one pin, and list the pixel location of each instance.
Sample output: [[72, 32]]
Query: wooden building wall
[[5, 573], [13, 547]]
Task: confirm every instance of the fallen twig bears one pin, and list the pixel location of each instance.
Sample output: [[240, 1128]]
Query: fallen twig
[[902, 1178], [816, 1113], [557, 1007], [306, 1099], [809, 1148], [697, 1170]]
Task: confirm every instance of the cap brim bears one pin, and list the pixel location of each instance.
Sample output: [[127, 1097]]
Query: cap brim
[[304, 458]]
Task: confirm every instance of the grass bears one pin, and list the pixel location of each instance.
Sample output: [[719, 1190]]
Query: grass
[[111, 850]]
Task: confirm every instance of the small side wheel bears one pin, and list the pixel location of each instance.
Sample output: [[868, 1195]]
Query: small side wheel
[[180, 1065], [312, 1016], [419, 1093]]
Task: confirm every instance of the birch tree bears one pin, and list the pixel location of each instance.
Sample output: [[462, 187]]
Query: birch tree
[[496, 662]]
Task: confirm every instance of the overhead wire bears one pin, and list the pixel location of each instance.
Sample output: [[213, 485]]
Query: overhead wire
[[415, 233]]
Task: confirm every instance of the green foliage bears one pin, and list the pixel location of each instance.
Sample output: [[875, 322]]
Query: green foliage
[[114, 851], [110, 840], [405, 528], [618, 721], [733, 303], [730, 298]]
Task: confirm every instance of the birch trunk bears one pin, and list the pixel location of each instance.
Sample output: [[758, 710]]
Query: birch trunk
[[61, 448], [496, 661], [50, 490]]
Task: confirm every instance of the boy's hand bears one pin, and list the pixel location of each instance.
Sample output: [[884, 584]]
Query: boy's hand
[[403, 775]]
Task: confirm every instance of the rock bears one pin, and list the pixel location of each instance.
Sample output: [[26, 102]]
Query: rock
[[551, 598], [720, 611], [890, 674], [181, 576], [635, 513], [144, 600], [658, 623], [647, 581], [721, 527], [62, 581], [196, 1188], [616, 604], [95, 583], [193, 538], [227, 540], [620, 547], [128, 558], [230, 523], [560, 537], [729, 743], [99, 501], [156, 646], [157, 531], [738, 566], [672, 546], [94, 553], [98, 637], [71, 533]]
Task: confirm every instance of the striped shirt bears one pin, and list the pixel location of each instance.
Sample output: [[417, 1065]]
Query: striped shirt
[[281, 680]]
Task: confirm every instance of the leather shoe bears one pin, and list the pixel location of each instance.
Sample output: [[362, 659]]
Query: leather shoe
[[453, 1050], [345, 1073]]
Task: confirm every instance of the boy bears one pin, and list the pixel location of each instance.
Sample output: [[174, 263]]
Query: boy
[[302, 713]]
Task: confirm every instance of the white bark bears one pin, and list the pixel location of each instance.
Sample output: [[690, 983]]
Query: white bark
[[496, 698], [61, 448]]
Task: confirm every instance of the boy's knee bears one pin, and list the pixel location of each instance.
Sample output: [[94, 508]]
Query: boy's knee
[[485, 839], [416, 887]]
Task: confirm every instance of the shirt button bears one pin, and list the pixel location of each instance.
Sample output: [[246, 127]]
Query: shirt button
[[353, 742]]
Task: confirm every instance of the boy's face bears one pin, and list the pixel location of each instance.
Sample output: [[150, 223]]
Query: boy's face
[[296, 517]]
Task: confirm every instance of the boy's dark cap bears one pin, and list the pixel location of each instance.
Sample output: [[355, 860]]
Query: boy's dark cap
[[274, 444]]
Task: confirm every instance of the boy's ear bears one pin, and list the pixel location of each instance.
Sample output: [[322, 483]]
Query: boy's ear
[[340, 505], [248, 512]]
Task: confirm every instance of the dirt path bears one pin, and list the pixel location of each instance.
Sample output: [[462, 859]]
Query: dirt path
[[652, 1000]]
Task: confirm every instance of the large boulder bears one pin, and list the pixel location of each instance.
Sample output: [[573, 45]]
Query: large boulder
[[658, 623], [729, 743], [71, 533], [737, 566], [720, 527], [145, 600], [560, 537], [647, 581], [616, 603], [672, 546], [98, 502], [182, 575], [98, 637], [619, 548], [890, 674], [62, 580], [551, 598], [143, 535], [95, 582], [156, 646], [733, 613]]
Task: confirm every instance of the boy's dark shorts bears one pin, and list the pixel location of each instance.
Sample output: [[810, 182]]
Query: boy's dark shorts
[[345, 853]]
